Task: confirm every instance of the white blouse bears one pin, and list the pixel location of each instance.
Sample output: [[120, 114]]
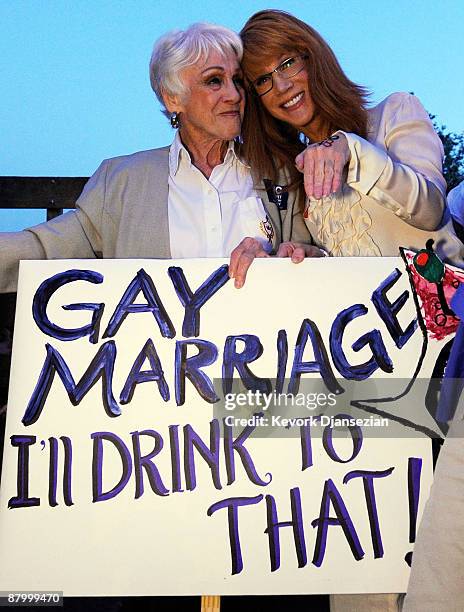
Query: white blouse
[[209, 218], [394, 193]]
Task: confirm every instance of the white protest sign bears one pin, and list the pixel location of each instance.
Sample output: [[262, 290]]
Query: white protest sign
[[123, 474]]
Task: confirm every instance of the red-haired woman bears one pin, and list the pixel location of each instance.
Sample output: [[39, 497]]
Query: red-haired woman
[[372, 176]]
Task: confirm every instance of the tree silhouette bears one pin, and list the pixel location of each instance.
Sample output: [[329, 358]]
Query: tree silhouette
[[453, 144]]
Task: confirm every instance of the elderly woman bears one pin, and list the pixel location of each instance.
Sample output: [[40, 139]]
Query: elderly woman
[[372, 176], [195, 198]]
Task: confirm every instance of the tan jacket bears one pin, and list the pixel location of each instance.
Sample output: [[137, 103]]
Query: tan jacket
[[121, 213], [394, 193]]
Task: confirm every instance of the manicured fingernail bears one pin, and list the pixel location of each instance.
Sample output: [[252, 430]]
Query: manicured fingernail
[[238, 284]]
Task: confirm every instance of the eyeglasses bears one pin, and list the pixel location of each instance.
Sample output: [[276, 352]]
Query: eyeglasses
[[287, 69]]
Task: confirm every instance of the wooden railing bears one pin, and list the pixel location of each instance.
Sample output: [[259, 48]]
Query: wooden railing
[[53, 194]]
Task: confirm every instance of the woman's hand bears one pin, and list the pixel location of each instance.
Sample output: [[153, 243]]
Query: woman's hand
[[322, 164], [298, 251], [243, 255]]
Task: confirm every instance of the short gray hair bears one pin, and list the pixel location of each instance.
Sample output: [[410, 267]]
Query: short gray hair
[[180, 49]]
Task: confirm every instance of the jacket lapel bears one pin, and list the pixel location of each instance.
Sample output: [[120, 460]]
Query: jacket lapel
[[272, 212], [162, 230]]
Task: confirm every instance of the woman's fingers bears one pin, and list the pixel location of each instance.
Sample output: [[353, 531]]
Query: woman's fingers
[[244, 254], [339, 165], [323, 165], [286, 249], [241, 259], [319, 174], [299, 251], [314, 172], [329, 175], [308, 169]]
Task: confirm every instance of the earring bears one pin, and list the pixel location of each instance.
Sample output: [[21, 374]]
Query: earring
[[175, 120]]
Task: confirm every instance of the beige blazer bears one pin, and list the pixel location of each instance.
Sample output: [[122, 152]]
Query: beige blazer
[[394, 194], [121, 213]]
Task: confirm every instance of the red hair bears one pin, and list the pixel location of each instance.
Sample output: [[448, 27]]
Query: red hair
[[269, 144]]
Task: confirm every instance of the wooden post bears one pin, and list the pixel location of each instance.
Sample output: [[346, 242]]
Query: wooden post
[[210, 603]]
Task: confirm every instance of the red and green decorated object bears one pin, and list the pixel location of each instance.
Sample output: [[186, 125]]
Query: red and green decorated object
[[428, 264]]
